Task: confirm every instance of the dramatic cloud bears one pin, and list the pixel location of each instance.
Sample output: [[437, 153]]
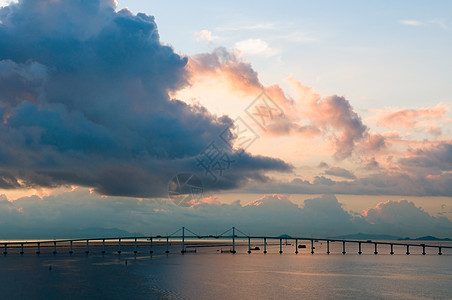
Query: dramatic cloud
[[228, 67], [84, 100], [83, 214], [385, 162], [311, 115], [334, 116]]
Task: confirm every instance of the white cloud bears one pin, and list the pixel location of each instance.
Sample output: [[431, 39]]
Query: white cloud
[[7, 2], [255, 47], [203, 35], [411, 22]]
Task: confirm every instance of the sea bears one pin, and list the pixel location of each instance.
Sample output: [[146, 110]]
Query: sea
[[213, 272]]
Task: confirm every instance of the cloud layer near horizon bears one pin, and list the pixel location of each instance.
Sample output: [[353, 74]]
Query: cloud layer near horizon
[[81, 213], [84, 101]]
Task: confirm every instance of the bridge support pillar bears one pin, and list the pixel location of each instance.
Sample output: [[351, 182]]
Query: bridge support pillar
[[296, 246], [119, 246], [233, 240], [423, 250], [87, 247], [439, 251], [167, 245], [151, 249], [376, 251], [5, 250], [327, 247], [54, 248], [265, 245], [135, 250], [183, 240], [249, 245], [392, 250], [70, 248], [280, 246], [103, 246], [343, 247], [359, 249], [407, 249], [39, 249], [22, 249]]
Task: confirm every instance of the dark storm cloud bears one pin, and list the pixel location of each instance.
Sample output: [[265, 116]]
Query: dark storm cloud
[[84, 100]]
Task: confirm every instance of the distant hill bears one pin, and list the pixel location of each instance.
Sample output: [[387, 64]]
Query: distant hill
[[425, 238], [366, 236], [285, 236], [384, 237]]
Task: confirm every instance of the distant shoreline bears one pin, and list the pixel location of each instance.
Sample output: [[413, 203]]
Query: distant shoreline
[[382, 237]]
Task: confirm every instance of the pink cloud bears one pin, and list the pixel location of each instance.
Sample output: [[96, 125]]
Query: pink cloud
[[310, 116], [409, 118], [227, 67], [333, 115], [434, 130], [374, 142]]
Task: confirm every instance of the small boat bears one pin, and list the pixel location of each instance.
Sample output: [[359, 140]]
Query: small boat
[[301, 246], [256, 248]]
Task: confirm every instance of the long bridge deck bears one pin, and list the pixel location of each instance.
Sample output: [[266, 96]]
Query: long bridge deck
[[180, 237]]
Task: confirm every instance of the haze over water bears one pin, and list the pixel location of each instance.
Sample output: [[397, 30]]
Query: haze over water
[[209, 274]]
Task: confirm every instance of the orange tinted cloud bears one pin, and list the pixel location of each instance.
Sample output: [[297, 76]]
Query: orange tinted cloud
[[225, 67], [333, 115], [409, 118], [309, 116]]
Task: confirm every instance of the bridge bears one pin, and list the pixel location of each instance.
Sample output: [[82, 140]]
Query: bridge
[[181, 237]]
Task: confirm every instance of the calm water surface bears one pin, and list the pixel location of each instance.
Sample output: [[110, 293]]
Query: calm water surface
[[209, 274]]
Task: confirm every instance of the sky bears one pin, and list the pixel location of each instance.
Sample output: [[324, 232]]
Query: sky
[[305, 118]]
